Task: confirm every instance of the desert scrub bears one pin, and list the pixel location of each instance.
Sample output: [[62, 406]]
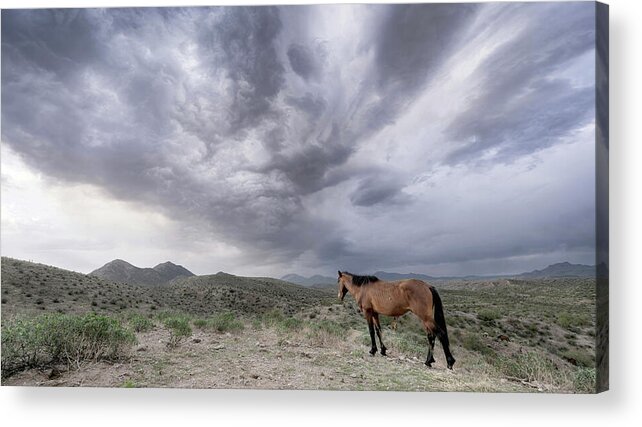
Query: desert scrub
[[58, 338], [276, 319], [409, 343], [473, 342], [584, 380], [531, 367], [179, 329], [200, 323], [488, 315], [225, 322], [140, 323], [572, 321], [579, 358], [324, 332]]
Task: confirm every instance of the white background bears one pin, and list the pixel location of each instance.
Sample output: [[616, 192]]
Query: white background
[[621, 405]]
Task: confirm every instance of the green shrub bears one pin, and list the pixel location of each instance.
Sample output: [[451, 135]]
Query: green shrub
[[200, 323], [58, 338], [531, 366], [226, 322], [410, 343], [129, 383], [473, 342], [179, 329], [488, 315], [581, 358], [572, 321], [290, 324], [325, 332], [140, 323], [584, 380], [273, 317]]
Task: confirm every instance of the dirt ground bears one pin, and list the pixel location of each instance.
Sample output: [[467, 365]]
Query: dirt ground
[[268, 359]]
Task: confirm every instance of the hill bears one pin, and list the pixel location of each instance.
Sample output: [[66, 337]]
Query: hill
[[246, 295], [562, 269], [309, 281], [30, 288], [255, 332], [122, 271]]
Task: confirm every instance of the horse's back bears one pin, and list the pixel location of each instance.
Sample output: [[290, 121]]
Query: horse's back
[[418, 295], [415, 286]]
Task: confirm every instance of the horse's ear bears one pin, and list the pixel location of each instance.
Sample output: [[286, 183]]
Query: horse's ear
[[339, 273]]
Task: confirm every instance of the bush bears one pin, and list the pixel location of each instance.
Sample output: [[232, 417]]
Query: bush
[[179, 329], [473, 342], [530, 367], [140, 323], [584, 380], [581, 358], [58, 338], [410, 343], [273, 317], [325, 332], [200, 323], [225, 322], [572, 321], [488, 315], [276, 319]]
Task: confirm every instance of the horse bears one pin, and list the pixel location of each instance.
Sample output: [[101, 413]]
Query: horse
[[394, 299]]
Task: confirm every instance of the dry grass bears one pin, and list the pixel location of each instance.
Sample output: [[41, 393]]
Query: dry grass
[[517, 335]]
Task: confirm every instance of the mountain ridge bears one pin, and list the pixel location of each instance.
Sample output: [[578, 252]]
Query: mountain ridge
[[560, 269], [119, 270]]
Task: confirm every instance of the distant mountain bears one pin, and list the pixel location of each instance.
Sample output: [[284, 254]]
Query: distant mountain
[[122, 271], [30, 288], [562, 269], [170, 271], [309, 281]]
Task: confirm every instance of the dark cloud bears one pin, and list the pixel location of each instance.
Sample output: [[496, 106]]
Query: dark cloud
[[520, 108], [413, 41], [308, 103], [303, 61], [373, 191], [243, 121], [410, 46]]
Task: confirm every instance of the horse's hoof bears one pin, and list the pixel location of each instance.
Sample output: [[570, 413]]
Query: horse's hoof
[[383, 351], [373, 352], [428, 364]]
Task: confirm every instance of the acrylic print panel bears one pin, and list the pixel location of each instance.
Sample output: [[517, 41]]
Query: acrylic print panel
[[307, 197]]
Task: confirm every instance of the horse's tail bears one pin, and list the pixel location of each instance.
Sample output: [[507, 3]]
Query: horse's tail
[[442, 330]]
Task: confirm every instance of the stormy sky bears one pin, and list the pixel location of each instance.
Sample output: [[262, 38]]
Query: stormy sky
[[440, 139]]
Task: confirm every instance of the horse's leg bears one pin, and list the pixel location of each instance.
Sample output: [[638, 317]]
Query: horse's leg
[[377, 326], [443, 338], [430, 359], [369, 319], [429, 326]]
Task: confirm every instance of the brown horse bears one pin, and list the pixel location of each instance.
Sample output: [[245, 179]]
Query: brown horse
[[377, 297]]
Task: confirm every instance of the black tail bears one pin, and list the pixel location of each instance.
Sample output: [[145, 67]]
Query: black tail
[[442, 330]]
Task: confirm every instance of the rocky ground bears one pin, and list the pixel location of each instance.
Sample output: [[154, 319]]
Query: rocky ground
[[268, 359]]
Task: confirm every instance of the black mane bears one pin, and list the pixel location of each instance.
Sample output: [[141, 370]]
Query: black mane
[[362, 280]]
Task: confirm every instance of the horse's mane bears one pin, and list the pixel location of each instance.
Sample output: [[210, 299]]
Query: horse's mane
[[362, 280]]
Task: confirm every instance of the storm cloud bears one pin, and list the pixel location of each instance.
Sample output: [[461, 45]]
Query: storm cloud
[[312, 138]]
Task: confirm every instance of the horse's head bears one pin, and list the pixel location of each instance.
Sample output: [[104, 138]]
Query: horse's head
[[343, 288]]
